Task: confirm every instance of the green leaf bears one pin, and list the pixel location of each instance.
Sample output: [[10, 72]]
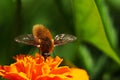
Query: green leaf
[[115, 4], [86, 57], [7, 29], [107, 22], [89, 26]]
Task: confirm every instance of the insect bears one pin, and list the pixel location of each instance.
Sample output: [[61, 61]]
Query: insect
[[41, 37]]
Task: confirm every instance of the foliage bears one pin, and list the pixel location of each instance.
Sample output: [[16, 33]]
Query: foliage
[[94, 22]]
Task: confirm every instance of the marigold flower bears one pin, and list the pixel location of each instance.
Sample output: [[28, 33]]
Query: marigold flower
[[37, 68]]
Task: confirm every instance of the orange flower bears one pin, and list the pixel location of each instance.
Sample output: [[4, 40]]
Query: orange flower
[[36, 68]]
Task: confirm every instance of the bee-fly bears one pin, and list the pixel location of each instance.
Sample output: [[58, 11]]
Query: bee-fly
[[41, 37]]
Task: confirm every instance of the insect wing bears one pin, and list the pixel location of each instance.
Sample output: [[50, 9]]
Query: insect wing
[[63, 39], [26, 39]]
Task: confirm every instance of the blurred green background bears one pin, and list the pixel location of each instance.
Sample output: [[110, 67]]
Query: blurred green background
[[96, 24]]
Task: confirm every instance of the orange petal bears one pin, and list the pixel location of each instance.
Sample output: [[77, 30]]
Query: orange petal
[[53, 77], [79, 74], [61, 70], [54, 62], [37, 68]]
